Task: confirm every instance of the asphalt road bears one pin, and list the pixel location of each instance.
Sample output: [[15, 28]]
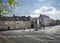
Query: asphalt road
[[17, 36]]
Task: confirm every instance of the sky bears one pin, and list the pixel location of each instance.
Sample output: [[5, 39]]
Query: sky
[[34, 8]]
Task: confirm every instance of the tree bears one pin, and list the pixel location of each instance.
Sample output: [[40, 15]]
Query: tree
[[32, 24], [7, 6], [57, 22]]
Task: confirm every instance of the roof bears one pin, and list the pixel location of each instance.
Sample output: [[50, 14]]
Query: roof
[[16, 18], [44, 16]]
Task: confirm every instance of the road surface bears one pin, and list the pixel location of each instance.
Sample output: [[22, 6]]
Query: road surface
[[18, 36]]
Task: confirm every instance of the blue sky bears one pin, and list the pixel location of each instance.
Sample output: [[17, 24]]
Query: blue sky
[[36, 7]]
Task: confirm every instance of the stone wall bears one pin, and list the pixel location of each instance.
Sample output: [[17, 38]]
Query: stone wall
[[15, 24], [22, 24]]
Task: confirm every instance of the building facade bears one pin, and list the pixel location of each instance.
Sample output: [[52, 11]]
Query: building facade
[[45, 20], [15, 22]]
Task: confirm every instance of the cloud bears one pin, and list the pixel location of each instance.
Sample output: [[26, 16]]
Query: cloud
[[34, 15], [40, 0], [46, 10]]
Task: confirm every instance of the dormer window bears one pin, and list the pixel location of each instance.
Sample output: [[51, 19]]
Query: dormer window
[[25, 18]]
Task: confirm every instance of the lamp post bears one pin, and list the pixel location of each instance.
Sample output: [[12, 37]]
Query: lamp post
[[14, 20]]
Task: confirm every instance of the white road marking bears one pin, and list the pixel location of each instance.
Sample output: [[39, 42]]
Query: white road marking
[[19, 36], [9, 36], [34, 37], [42, 40], [50, 37], [28, 35], [14, 36]]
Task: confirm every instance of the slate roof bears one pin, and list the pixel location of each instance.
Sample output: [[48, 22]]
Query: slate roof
[[16, 18], [44, 16]]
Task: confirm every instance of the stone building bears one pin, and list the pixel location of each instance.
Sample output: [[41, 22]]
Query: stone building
[[45, 20], [15, 22]]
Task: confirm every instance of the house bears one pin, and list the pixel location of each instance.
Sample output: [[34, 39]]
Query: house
[[15, 22], [45, 20]]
